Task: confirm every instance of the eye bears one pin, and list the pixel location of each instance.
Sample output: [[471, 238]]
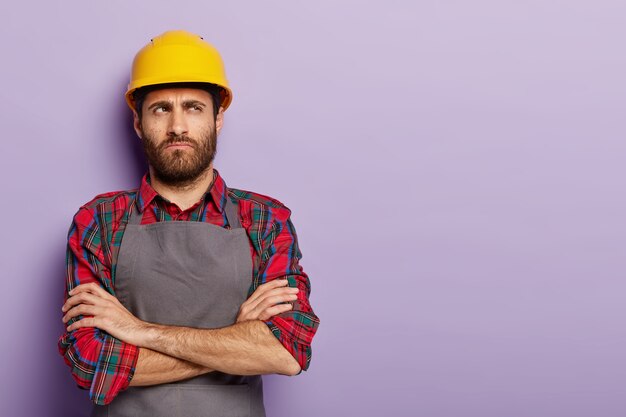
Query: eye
[[159, 108]]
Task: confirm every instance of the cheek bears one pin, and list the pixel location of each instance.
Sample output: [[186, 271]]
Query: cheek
[[152, 123], [200, 123], [154, 131], [156, 134]]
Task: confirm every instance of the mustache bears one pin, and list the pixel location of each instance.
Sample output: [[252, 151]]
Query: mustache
[[179, 139]]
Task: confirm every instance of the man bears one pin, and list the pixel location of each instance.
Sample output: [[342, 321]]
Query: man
[[181, 293]]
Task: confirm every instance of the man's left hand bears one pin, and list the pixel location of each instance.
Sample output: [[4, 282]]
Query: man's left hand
[[104, 311]]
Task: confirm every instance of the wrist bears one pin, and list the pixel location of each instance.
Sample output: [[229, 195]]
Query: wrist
[[146, 334]]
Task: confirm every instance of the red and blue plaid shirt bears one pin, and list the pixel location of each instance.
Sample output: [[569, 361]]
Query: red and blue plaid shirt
[[105, 365]]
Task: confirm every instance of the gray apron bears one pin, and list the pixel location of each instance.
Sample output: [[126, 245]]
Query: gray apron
[[186, 273]]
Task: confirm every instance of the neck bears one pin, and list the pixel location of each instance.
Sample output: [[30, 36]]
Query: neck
[[183, 195]]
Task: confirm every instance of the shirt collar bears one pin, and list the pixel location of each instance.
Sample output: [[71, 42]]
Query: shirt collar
[[216, 192]]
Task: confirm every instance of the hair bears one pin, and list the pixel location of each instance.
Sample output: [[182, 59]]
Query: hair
[[139, 95]]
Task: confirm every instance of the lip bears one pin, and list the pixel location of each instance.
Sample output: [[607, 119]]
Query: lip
[[178, 146]]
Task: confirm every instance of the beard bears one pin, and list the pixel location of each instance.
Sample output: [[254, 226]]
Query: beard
[[180, 167]]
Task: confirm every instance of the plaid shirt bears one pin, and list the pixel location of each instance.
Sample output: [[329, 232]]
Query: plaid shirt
[[105, 365]]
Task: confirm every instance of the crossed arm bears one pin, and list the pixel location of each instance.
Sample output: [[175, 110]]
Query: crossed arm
[[173, 353], [268, 337]]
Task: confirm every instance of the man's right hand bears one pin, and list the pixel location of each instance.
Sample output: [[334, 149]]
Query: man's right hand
[[264, 301]]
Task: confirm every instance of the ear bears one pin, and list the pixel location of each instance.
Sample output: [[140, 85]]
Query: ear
[[137, 124], [219, 120]]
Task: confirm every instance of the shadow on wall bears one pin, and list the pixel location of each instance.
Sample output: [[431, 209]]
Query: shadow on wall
[[128, 149]]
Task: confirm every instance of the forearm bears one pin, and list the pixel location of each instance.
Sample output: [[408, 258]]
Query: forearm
[[246, 348], [157, 368]]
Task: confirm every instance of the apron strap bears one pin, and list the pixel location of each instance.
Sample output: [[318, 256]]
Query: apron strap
[[134, 216], [231, 213]]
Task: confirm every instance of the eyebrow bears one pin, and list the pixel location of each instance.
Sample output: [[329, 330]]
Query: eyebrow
[[186, 103]]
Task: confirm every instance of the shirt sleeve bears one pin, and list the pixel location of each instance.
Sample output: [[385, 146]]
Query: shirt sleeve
[[99, 362], [280, 259]]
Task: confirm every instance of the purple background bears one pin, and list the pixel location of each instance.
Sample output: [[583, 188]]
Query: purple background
[[455, 170]]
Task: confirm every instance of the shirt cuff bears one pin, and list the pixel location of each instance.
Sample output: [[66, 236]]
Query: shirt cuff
[[303, 358]]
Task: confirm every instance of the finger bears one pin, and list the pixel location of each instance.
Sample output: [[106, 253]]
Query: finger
[[84, 309], [251, 310], [272, 311], [251, 304], [268, 286], [263, 288], [85, 322], [272, 301], [276, 299], [80, 298], [260, 313], [91, 287]]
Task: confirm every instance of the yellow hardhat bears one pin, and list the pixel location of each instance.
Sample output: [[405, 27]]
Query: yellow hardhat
[[178, 56]]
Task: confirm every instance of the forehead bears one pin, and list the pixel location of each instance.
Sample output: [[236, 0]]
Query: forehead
[[178, 94]]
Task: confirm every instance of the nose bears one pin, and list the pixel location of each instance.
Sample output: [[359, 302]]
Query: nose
[[178, 122]]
